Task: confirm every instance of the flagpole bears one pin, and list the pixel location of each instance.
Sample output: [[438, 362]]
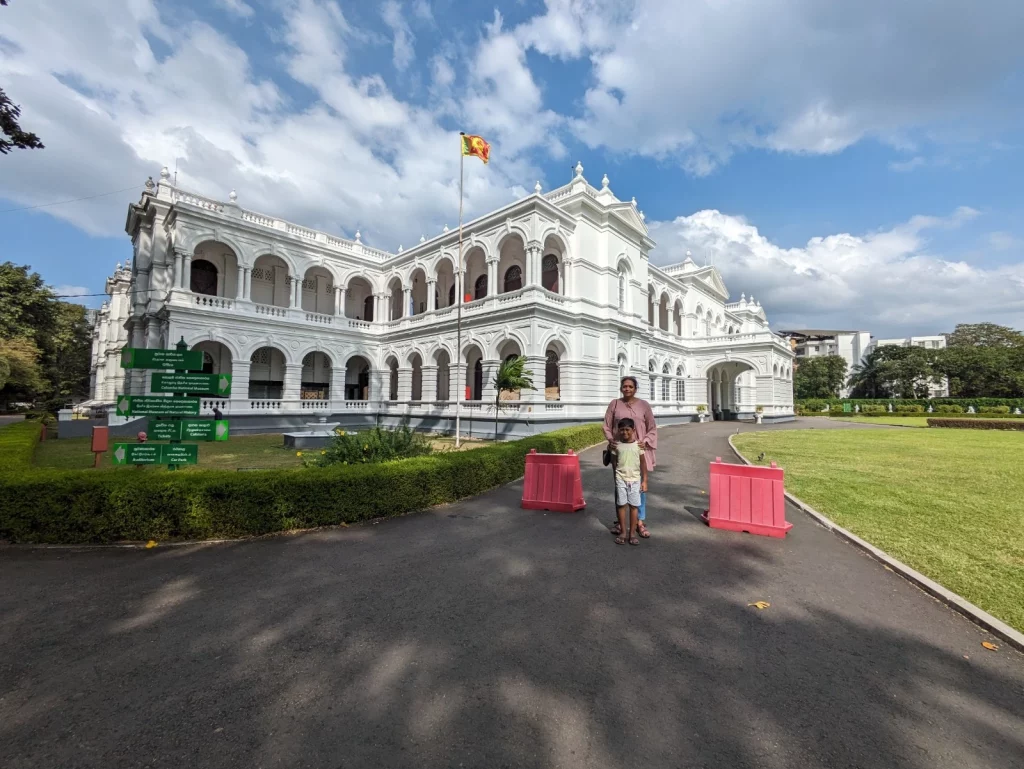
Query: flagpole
[[458, 319]]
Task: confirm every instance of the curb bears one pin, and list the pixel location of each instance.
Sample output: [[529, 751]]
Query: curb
[[955, 602]]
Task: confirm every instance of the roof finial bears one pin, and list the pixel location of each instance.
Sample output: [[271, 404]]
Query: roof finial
[[233, 196], [400, 249], [743, 297], [118, 268], [579, 168], [165, 174], [537, 187], [358, 236], [150, 184], [642, 217], [605, 182], [446, 228], [422, 239], [634, 201]]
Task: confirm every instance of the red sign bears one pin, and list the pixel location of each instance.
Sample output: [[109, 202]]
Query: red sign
[[100, 438]]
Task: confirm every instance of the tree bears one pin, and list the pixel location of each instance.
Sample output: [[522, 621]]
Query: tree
[[893, 371], [11, 134], [511, 376], [27, 306], [983, 360], [24, 380], [820, 377], [68, 357]]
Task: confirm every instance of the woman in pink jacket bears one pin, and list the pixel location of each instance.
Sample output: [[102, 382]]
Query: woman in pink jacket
[[640, 412]]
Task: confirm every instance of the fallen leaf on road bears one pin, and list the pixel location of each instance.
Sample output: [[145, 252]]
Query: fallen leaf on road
[[759, 604], [151, 544], [990, 647]]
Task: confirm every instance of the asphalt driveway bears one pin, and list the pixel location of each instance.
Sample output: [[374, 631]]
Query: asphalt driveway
[[482, 635]]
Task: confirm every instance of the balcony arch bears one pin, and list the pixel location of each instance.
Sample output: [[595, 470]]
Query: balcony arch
[[357, 378], [395, 299], [418, 284], [474, 376], [315, 383], [214, 270], [270, 283], [266, 373], [444, 373], [512, 262], [318, 291]]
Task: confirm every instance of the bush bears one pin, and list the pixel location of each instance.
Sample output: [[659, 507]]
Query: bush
[[814, 405], [944, 408], [994, 410], [372, 447], [870, 410], [909, 409], [83, 506], [977, 424]]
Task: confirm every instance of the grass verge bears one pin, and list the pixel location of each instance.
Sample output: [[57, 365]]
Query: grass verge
[[945, 502]]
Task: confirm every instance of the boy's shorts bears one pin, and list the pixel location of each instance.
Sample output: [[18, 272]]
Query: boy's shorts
[[627, 493]]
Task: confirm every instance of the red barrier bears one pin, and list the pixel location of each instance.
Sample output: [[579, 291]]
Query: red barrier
[[747, 498], [553, 482]]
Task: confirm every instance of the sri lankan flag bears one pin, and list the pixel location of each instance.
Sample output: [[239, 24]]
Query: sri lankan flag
[[475, 145]]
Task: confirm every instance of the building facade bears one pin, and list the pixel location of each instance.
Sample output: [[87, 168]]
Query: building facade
[[313, 325], [851, 346]]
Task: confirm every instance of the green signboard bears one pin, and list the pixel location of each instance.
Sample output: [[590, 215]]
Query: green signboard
[[219, 384], [139, 357], [188, 430], [156, 454], [156, 405]]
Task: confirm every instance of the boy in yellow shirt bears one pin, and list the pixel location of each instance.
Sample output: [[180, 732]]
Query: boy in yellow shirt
[[630, 480]]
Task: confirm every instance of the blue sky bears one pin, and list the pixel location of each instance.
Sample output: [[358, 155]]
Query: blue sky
[[850, 165]]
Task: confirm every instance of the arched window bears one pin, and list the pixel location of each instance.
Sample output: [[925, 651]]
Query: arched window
[[622, 291], [480, 288], [451, 294], [680, 385], [204, 278], [368, 309], [513, 278], [549, 273], [552, 379], [478, 380], [665, 384], [393, 381], [654, 379]]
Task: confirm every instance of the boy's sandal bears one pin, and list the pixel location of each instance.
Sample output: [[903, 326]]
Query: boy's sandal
[[642, 531], [616, 529], [634, 541], [620, 540]]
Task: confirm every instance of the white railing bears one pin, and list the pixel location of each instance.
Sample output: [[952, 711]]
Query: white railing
[[301, 232], [357, 405], [361, 324], [554, 406], [316, 405], [197, 200], [265, 221], [202, 300], [208, 404], [312, 317], [266, 309], [265, 405], [558, 194]]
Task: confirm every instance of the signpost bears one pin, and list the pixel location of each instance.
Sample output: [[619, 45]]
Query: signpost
[[178, 359], [215, 384], [156, 405], [188, 429], [187, 378], [156, 453]]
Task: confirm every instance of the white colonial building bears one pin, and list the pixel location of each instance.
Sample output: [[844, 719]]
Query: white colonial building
[[310, 324]]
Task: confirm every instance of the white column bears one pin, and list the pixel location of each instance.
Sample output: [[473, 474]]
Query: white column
[[404, 384], [239, 384], [186, 278], [339, 300], [247, 283], [528, 278], [378, 308], [178, 258], [431, 297], [429, 383], [406, 301], [297, 293], [292, 381], [493, 289], [240, 283], [337, 383]]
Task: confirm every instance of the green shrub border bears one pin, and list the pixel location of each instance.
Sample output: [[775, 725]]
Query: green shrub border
[[940, 415], [897, 402], [84, 506], [977, 424]]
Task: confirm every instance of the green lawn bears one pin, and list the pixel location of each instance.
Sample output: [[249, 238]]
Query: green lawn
[[248, 451], [946, 502], [921, 421], [262, 451]]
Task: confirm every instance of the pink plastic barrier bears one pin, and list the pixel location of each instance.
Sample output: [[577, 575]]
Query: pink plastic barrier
[[553, 482], [747, 498]]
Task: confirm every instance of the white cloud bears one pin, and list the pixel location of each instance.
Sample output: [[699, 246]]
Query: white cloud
[[691, 77], [888, 282], [402, 50], [112, 112], [1004, 241], [237, 7], [65, 290], [422, 11], [903, 166]]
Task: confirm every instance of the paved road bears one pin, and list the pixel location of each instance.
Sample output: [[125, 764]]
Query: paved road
[[481, 635]]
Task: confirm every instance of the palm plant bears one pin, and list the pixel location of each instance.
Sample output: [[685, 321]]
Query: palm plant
[[511, 376]]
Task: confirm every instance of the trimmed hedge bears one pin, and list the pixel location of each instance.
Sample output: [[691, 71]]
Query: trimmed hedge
[[83, 506], [955, 415], [977, 424], [935, 402]]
